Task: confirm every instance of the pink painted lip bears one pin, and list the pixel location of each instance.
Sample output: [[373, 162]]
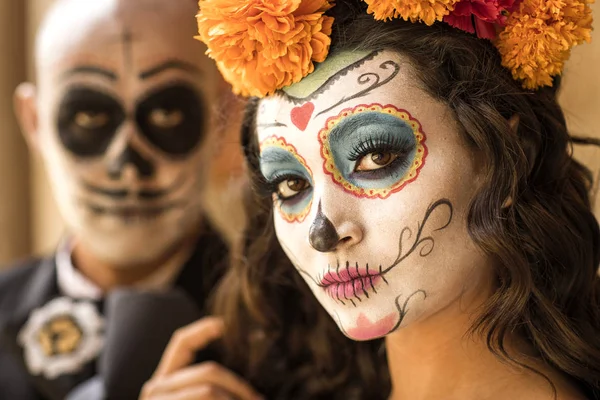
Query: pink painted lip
[[349, 282]]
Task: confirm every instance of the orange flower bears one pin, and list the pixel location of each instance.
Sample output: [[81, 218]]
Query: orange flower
[[427, 11], [261, 46], [539, 36]]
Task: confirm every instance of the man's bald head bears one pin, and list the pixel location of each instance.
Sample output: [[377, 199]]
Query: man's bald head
[[80, 28]]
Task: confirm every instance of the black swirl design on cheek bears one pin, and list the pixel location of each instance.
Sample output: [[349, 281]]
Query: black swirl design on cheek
[[426, 243], [366, 277]]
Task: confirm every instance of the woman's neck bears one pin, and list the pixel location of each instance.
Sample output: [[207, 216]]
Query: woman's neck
[[439, 358]]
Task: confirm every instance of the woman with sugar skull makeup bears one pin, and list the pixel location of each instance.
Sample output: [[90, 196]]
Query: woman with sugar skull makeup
[[413, 171]]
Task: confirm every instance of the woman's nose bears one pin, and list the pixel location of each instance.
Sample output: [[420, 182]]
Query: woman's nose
[[325, 237]]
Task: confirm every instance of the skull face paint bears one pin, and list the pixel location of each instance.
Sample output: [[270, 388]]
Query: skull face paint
[[169, 121], [387, 178], [126, 127]]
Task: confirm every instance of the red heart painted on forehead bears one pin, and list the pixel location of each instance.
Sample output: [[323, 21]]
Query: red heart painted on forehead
[[301, 115]]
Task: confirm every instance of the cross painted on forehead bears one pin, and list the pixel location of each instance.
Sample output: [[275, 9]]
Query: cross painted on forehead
[[127, 40]]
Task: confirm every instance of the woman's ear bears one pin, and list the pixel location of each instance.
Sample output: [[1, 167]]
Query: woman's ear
[[513, 122], [25, 107]]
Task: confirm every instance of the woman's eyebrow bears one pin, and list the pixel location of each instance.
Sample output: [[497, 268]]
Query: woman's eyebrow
[[272, 156], [275, 124]]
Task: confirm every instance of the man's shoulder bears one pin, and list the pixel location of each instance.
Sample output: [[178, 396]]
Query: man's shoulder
[[14, 279]]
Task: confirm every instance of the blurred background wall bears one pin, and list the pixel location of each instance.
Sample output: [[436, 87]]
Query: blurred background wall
[[29, 221]]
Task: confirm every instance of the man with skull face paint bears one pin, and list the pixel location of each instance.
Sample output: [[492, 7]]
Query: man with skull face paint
[[123, 117]]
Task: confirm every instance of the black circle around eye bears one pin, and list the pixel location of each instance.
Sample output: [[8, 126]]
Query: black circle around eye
[[175, 139], [88, 140]]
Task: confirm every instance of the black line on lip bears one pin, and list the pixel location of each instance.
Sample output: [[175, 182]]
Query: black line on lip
[[326, 279], [362, 284], [120, 211], [146, 194], [114, 193], [351, 281], [152, 194], [381, 274], [337, 293], [371, 280], [347, 299]]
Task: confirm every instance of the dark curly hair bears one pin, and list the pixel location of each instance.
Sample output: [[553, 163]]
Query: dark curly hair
[[546, 243]]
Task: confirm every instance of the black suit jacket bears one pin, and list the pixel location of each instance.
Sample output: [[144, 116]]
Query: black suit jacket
[[138, 326]]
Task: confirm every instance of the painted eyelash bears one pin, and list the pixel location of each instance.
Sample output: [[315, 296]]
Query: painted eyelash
[[389, 143]]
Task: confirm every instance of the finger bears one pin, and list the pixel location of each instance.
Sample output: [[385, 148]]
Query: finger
[[186, 341], [208, 373], [203, 392]]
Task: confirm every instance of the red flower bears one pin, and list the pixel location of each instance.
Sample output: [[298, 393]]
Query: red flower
[[481, 16]]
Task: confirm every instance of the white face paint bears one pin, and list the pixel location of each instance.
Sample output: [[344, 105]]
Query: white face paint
[[124, 119], [374, 182]]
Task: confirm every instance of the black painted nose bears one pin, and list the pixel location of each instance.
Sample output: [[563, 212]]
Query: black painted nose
[[129, 156], [322, 235]]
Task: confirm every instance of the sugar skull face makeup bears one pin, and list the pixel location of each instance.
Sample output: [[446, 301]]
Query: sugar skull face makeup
[[125, 110], [372, 181]]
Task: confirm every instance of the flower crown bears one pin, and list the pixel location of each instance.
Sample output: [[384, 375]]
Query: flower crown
[[261, 46]]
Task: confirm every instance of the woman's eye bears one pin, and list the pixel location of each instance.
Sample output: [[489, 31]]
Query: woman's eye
[[165, 119], [91, 120], [291, 187], [378, 160]]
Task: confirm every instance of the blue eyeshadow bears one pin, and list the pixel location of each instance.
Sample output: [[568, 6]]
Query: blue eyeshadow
[[359, 134]]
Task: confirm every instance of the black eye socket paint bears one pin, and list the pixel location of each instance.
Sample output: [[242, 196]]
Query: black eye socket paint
[[87, 121], [172, 119]]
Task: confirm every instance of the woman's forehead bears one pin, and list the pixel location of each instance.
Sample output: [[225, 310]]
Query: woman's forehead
[[347, 82]]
